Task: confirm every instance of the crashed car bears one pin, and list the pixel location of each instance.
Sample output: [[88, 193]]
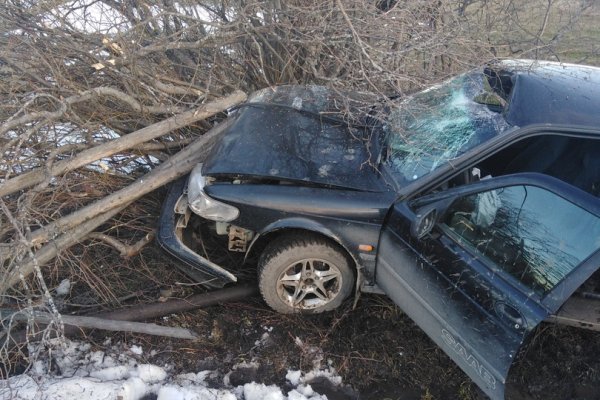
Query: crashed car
[[473, 205]]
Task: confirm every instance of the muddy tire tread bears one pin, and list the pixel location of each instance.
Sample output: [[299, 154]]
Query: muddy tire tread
[[302, 242]]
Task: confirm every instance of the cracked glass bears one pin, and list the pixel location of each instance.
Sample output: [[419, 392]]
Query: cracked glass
[[435, 126]]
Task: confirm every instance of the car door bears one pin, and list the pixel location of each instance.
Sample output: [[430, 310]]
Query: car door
[[480, 266]]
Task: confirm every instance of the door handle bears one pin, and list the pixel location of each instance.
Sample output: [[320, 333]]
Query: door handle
[[510, 315]]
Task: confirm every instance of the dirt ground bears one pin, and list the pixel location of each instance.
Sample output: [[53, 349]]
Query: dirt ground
[[381, 354], [376, 349]]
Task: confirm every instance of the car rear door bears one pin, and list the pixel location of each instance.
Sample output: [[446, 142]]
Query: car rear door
[[498, 257]]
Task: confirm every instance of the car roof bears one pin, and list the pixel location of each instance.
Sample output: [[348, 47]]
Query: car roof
[[543, 92]]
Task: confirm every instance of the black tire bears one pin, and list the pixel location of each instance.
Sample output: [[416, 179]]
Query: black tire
[[304, 274]]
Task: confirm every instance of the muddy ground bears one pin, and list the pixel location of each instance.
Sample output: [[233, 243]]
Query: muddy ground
[[375, 348], [379, 353]]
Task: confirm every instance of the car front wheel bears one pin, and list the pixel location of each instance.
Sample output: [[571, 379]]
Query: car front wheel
[[304, 275]]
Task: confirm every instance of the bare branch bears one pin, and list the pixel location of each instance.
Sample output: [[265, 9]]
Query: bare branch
[[118, 145], [125, 98], [80, 223], [125, 250]]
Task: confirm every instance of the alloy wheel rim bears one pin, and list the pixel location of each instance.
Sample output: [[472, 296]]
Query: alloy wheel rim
[[309, 283]]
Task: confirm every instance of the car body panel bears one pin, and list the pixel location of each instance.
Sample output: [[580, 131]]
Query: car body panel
[[553, 93], [314, 202], [419, 292], [478, 314], [169, 237], [278, 136], [348, 217]]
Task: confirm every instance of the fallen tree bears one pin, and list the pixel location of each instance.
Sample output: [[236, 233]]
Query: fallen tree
[[39, 175], [74, 227]]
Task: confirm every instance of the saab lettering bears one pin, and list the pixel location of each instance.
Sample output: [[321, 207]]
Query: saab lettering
[[459, 349]]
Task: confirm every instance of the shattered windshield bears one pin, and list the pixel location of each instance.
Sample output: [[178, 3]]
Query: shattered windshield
[[439, 124]]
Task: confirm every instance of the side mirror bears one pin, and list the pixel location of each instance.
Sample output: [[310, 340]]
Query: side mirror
[[424, 222]]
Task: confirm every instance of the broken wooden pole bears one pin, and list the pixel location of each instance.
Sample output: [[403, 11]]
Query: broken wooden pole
[[51, 249], [78, 322], [142, 312], [155, 310], [176, 166]]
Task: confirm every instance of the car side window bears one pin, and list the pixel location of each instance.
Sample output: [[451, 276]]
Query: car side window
[[531, 233]]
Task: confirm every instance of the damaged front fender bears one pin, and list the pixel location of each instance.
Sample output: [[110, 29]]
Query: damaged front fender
[[170, 237]]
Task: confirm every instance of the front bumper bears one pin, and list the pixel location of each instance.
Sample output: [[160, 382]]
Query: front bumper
[[170, 230]]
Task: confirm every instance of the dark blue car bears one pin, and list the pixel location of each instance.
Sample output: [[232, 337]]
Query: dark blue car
[[473, 205]]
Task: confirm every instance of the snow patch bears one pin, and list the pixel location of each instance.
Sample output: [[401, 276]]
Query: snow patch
[[198, 378], [112, 374], [134, 388], [305, 390], [151, 373], [297, 378], [294, 377], [260, 391], [63, 288]]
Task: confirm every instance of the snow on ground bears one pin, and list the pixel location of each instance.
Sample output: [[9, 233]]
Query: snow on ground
[[71, 370]]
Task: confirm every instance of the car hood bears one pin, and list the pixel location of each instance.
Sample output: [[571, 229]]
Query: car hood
[[305, 134]]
